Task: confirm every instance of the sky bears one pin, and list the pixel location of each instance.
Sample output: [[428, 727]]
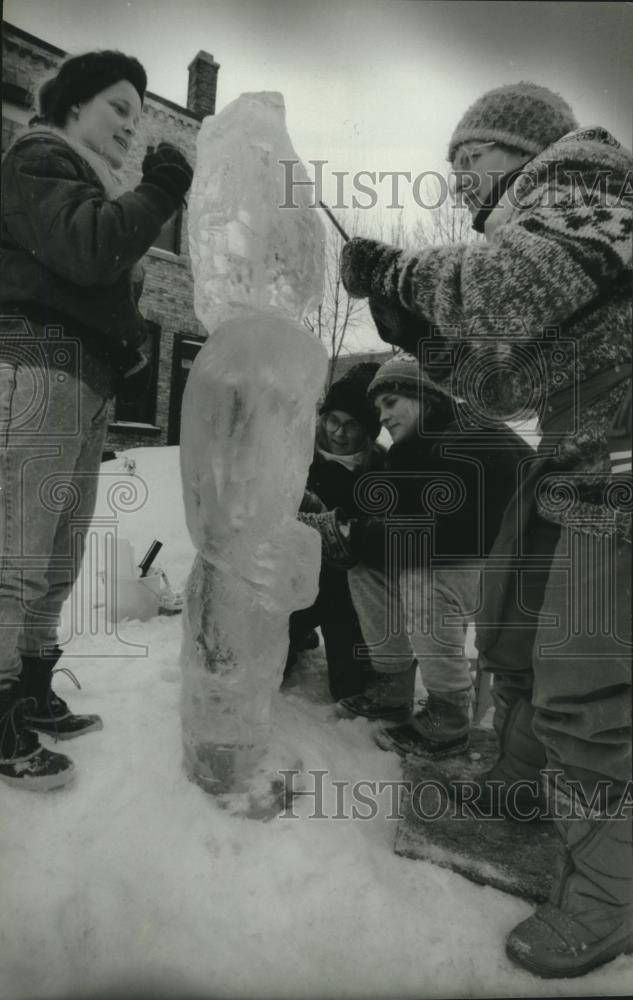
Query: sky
[[376, 85]]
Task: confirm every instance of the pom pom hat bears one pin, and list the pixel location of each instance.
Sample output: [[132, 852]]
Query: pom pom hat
[[524, 116], [349, 395], [82, 77]]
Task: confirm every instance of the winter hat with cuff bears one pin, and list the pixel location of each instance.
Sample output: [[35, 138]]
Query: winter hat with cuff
[[524, 116], [402, 374], [349, 395], [82, 77]]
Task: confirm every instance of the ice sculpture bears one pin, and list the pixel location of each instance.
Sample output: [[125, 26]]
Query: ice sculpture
[[247, 435]]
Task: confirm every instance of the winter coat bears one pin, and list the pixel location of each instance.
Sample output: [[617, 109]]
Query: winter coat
[[455, 482], [557, 256], [68, 251], [334, 484]]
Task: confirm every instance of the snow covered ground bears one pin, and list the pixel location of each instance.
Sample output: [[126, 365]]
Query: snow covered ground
[[132, 882]]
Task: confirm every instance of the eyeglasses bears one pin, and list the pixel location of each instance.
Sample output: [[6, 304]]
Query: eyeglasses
[[333, 425], [465, 158]]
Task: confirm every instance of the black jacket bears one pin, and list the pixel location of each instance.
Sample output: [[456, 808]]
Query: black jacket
[[451, 485], [334, 484], [66, 251]]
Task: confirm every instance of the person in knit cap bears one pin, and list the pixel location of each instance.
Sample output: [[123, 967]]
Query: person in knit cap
[[434, 496], [345, 449], [71, 239], [537, 318]]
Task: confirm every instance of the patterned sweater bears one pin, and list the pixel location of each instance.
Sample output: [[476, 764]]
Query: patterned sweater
[[540, 307]]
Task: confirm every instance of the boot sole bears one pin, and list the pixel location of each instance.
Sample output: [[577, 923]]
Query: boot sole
[[387, 743], [394, 715], [624, 947], [40, 782], [56, 735]]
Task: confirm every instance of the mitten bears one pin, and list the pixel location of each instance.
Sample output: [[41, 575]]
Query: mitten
[[167, 168], [397, 325], [369, 267], [334, 531]]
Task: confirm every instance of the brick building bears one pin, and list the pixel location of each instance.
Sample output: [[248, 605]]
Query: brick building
[[167, 303], [175, 335]]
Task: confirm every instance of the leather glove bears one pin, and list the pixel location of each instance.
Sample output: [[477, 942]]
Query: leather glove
[[369, 267], [335, 537], [167, 168]]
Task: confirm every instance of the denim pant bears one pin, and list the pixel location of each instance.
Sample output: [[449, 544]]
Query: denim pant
[[53, 421], [423, 615]]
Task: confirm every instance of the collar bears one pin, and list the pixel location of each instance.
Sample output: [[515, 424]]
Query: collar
[[496, 193]]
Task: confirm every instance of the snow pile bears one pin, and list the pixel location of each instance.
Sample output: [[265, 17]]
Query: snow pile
[[132, 882]]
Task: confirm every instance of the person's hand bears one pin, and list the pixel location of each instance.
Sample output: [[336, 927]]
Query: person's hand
[[167, 168], [335, 537], [368, 268]]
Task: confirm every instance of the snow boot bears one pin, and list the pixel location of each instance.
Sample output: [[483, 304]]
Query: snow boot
[[512, 786], [589, 918], [440, 729], [24, 763], [388, 697], [46, 711]]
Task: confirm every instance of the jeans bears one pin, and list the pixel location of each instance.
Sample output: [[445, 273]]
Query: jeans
[[53, 421], [423, 615]]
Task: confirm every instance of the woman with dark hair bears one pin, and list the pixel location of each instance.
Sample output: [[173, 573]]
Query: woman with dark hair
[[71, 238], [345, 448]]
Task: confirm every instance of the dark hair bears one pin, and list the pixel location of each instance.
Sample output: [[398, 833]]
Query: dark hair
[[349, 395], [81, 77], [439, 405]]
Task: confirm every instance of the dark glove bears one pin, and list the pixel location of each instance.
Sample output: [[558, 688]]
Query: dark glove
[[134, 376], [311, 503], [167, 168], [369, 267], [335, 541]]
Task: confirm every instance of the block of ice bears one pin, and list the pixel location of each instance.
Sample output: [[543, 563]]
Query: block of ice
[[246, 250], [247, 436]]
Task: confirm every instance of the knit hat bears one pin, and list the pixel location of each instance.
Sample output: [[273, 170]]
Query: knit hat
[[523, 115], [82, 77], [349, 395], [402, 374]]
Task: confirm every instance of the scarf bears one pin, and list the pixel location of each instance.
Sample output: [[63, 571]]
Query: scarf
[[111, 180], [350, 462]]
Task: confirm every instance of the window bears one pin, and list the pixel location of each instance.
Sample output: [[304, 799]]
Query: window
[[143, 409], [169, 236], [10, 130], [16, 87]]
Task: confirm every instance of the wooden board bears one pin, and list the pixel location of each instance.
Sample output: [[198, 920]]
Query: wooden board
[[516, 857]]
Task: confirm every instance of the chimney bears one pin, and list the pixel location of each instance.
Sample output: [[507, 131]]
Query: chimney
[[203, 82]]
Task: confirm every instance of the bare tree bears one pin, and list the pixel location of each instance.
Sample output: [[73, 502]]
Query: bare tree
[[337, 313]]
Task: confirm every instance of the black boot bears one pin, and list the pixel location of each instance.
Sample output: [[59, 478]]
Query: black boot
[[440, 729], [24, 763], [389, 697], [46, 711]]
